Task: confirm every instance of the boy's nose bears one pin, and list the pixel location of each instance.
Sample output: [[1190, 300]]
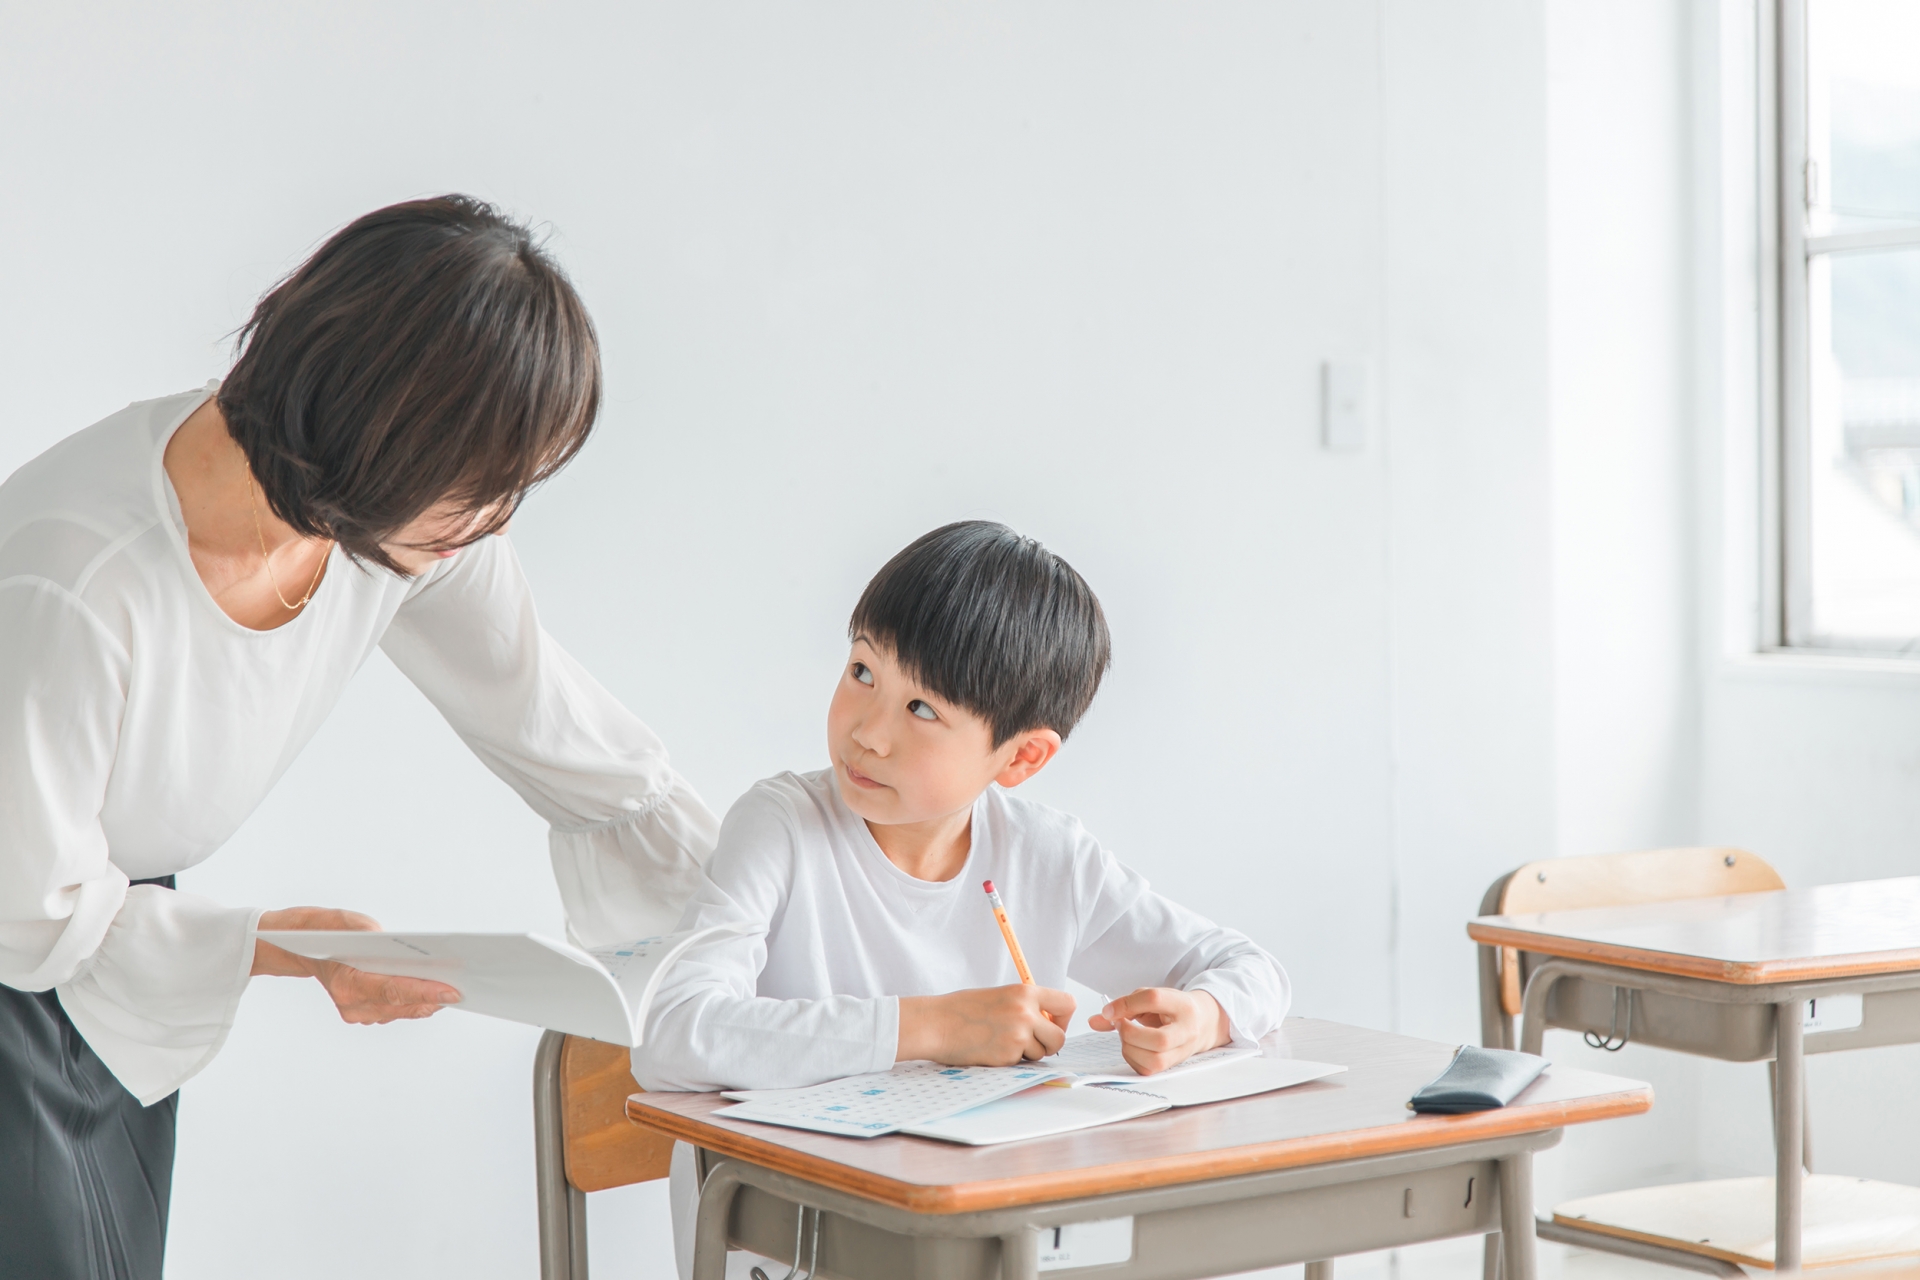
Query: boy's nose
[[868, 732]]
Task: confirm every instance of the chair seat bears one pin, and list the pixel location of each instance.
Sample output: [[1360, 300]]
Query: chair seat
[[1844, 1220]]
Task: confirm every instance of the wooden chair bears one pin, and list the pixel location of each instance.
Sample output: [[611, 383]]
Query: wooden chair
[[1602, 880], [583, 1141]]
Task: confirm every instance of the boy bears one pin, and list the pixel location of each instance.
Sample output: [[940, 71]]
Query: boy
[[975, 651]]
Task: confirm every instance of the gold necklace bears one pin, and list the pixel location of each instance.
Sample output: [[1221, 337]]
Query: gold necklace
[[267, 560]]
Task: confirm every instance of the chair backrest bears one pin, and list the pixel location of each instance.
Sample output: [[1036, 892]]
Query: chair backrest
[[603, 1148], [1622, 879]]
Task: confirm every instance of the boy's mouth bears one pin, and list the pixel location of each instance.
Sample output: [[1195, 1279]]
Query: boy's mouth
[[862, 780]]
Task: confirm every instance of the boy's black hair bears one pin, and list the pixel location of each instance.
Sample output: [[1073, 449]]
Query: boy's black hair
[[992, 621]]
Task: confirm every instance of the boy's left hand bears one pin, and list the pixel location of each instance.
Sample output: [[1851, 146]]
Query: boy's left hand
[[1162, 1027]]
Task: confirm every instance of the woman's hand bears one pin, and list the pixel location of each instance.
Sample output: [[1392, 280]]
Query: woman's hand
[[1162, 1027], [361, 997], [986, 1027]]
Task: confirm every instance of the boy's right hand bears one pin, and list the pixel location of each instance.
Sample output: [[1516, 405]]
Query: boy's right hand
[[985, 1027]]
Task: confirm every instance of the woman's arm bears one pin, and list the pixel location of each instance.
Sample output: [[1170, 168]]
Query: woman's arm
[[629, 836], [151, 977]]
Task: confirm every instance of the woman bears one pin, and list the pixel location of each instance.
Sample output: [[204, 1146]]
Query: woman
[[185, 589]]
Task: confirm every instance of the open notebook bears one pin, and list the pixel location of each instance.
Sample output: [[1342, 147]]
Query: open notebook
[[983, 1105]]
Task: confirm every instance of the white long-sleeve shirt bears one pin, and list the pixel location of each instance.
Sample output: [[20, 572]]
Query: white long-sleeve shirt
[[838, 933], [139, 726]]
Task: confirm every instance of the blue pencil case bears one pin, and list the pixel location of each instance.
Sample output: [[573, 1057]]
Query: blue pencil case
[[1478, 1080]]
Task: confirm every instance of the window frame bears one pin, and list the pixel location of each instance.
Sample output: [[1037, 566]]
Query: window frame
[[1786, 593]]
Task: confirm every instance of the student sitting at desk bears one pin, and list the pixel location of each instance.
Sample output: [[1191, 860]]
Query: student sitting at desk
[[975, 651]]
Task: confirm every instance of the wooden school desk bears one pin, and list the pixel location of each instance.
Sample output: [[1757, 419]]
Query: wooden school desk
[[1730, 977], [1334, 1167]]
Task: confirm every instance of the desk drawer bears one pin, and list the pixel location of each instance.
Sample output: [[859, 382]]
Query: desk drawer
[[1175, 1244], [1732, 1032]]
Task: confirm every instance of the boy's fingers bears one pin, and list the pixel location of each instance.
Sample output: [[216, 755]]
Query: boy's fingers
[[1049, 1037], [1150, 1039], [1057, 1005], [1159, 1000]]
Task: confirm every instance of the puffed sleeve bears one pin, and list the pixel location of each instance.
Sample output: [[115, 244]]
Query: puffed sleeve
[[150, 977], [629, 836]]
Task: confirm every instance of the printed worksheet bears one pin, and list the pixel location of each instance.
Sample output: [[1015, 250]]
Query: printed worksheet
[[1094, 1058], [913, 1093]]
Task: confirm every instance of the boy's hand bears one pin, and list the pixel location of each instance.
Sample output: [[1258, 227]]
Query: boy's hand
[[986, 1027], [1162, 1027]]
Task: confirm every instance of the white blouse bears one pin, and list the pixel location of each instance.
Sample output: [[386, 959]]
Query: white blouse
[[139, 726]]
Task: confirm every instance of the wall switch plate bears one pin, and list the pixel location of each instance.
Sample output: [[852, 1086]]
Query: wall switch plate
[[1346, 405]]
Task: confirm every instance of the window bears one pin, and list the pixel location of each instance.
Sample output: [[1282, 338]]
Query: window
[[1849, 237]]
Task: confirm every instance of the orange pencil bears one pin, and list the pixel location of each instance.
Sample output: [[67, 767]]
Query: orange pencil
[[1006, 931]]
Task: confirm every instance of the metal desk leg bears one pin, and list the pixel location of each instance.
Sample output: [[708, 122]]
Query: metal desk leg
[[1019, 1255], [563, 1207], [1516, 1215], [1490, 1256], [1322, 1270], [1789, 1098], [715, 1217]]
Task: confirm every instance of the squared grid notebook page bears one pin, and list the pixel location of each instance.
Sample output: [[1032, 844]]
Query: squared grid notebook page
[[883, 1101], [1094, 1057]]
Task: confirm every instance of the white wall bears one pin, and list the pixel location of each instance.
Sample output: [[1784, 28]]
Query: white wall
[[860, 269]]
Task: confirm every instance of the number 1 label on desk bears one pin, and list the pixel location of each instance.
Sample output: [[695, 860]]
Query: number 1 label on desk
[[1837, 1012], [1086, 1244]]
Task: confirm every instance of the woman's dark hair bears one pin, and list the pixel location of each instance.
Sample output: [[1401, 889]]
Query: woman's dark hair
[[992, 621], [429, 352]]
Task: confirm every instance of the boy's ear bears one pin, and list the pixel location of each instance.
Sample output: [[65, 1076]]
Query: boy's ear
[[1031, 751]]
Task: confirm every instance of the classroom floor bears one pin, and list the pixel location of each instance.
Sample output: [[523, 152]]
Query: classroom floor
[[629, 1234], [1460, 1260]]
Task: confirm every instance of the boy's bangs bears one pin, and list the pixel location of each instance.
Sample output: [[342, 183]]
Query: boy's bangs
[[993, 622]]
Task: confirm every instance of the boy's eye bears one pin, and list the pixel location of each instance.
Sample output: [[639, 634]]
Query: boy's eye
[[861, 673], [922, 710]]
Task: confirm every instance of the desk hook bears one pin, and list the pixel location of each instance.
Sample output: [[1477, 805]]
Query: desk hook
[[1615, 1040], [799, 1231]]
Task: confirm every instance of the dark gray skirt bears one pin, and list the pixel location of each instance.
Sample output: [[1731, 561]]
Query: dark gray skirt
[[85, 1170]]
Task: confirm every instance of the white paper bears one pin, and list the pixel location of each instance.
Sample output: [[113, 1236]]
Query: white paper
[[1040, 1113], [867, 1106], [1086, 1244], [1094, 1057], [520, 977], [1841, 1011], [1240, 1078]]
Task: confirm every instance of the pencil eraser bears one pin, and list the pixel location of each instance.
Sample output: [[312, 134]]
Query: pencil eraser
[[989, 886]]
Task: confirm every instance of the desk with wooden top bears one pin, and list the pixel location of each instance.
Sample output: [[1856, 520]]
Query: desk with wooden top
[[1731, 978], [1305, 1174]]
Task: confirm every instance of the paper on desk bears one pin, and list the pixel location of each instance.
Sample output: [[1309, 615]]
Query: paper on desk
[[867, 1106], [1239, 1078], [1040, 1113], [602, 994], [1094, 1057]]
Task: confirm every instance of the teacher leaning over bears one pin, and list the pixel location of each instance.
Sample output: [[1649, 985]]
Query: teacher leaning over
[[185, 589]]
